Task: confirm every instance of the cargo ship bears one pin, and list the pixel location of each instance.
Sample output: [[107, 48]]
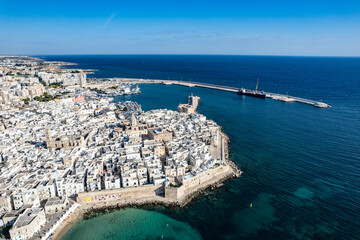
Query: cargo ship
[[252, 93]]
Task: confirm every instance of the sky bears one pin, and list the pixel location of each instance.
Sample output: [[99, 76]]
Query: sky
[[242, 27]]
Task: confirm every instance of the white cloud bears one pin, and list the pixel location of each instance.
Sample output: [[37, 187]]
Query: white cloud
[[110, 18]]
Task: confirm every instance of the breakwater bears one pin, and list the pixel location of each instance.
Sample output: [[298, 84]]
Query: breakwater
[[274, 96]]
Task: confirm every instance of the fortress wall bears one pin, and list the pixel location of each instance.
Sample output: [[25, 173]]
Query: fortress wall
[[119, 194], [206, 179], [189, 187], [198, 182]]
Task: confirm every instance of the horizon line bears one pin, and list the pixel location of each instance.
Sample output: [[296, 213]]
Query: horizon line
[[180, 54]]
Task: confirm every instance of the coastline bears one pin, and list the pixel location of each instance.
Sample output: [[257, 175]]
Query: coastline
[[65, 226], [230, 171], [92, 210]]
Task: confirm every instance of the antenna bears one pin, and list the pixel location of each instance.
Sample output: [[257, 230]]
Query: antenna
[[257, 84]]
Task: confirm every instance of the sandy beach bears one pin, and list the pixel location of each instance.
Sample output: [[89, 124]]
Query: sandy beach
[[66, 225]]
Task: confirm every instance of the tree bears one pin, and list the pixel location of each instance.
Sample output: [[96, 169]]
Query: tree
[[55, 84], [125, 109], [5, 232], [44, 98], [26, 100], [43, 83]]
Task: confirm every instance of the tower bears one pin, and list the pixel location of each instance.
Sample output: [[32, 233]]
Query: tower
[[190, 99], [133, 121], [193, 100], [82, 80]]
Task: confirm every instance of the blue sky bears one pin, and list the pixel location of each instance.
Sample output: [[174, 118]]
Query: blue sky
[[257, 27]]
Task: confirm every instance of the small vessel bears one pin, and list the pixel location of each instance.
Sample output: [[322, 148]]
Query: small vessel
[[252, 93]]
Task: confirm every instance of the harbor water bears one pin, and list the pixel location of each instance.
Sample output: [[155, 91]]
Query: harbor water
[[301, 164]]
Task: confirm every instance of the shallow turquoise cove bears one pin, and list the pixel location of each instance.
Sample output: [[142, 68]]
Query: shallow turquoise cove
[[132, 224]]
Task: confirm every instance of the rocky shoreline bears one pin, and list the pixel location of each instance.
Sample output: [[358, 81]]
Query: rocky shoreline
[[91, 211], [95, 211]]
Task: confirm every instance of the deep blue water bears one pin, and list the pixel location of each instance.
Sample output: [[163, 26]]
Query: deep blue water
[[301, 164]]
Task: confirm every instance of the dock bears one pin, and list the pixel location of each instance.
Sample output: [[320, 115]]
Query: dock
[[274, 96]]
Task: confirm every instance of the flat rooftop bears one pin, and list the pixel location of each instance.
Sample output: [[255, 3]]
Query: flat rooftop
[[54, 201], [27, 217]]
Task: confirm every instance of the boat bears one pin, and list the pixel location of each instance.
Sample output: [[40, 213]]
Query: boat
[[252, 93]]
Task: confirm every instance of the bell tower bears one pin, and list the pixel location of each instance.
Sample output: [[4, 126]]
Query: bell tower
[[133, 121]]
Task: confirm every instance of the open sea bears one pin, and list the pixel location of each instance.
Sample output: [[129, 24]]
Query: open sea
[[301, 164]]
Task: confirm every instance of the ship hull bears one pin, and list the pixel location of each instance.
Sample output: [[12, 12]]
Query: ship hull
[[250, 94]]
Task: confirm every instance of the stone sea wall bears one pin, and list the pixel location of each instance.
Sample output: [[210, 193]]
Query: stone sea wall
[[121, 194]]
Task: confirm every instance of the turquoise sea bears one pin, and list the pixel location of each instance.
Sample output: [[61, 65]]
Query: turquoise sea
[[301, 164]]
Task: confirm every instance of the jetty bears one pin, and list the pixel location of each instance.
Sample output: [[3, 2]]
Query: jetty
[[274, 96]]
